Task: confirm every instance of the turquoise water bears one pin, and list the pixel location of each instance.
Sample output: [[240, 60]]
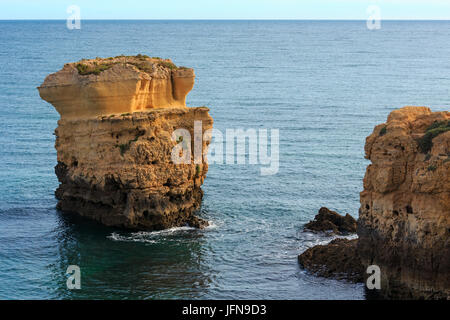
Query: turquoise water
[[324, 85]]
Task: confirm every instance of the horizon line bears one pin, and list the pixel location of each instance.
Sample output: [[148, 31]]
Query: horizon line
[[224, 19]]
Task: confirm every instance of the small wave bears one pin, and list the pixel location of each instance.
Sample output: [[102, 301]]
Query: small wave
[[132, 238], [311, 239], [154, 236]]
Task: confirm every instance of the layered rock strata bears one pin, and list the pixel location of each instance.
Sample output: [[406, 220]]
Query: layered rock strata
[[115, 139], [123, 84], [404, 218]]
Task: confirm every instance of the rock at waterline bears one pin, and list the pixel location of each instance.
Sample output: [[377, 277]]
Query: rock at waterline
[[338, 259], [331, 221], [115, 142]]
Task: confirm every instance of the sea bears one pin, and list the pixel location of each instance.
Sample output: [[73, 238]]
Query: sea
[[323, 84]]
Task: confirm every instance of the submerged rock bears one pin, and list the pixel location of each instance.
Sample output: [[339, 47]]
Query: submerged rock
[[338, 259], [331, 221], [117, 168]]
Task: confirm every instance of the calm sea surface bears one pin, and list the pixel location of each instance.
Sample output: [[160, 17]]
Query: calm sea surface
[[324, 85]]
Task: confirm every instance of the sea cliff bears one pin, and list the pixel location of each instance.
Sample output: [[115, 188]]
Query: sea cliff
[[115, 139], [404, 218]]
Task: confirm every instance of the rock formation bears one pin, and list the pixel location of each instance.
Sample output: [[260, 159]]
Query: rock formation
[[332, 222], [338, 259], [122, 84], [404, 218], [115, 139]]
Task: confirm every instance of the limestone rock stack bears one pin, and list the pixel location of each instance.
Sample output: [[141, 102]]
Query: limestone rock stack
[[114, 141]]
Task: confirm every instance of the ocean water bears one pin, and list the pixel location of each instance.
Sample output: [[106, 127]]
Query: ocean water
[[324, 85]]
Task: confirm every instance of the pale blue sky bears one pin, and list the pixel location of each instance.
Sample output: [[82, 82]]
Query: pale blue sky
[[225, 9]]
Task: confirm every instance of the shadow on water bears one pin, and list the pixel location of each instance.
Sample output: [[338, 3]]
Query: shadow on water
[[118, 264]]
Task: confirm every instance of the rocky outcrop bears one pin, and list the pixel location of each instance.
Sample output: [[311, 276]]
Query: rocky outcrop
[[122, 84], [404, 219], [338, 259], [332, 222], [117, 167]]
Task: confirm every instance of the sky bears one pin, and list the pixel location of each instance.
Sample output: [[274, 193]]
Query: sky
[[225, 9]]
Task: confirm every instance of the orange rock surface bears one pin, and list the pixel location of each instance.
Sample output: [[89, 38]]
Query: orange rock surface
[[123, 84], [404, 219], [114, 142]]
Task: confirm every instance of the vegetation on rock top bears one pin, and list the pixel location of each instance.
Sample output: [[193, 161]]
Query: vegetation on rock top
[[438, 127], [141, 61], [84, 69]]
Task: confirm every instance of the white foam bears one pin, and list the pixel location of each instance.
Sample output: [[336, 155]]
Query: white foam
[[132, 238], [211, 225], [155, 236], [312, 239]]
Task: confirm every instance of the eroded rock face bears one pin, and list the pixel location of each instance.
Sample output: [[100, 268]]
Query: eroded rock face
[[404, 219], [123, 84], [331, 221], [117, 168]]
